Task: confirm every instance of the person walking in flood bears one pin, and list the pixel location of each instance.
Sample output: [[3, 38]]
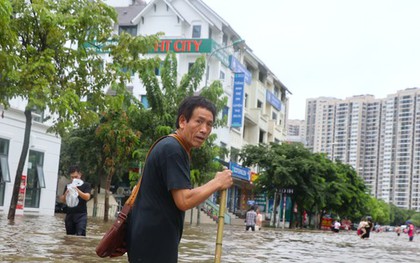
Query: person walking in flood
[[361, 229], [258, 225], [155, 223], [368, 227], [251, 219], [398, 230], [77, 193], [336, 226], [410, 232]]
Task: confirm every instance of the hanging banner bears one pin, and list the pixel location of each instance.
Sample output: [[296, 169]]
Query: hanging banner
[[236, 66], [273, 100], [21, 197], [238, 100], [240, 172]]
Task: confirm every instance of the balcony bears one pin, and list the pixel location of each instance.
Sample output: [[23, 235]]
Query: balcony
[[274, 129], [254, 117]]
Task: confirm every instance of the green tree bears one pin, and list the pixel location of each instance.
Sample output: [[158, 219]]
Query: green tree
[[45, 63], [379, 210], [277, 169], [318, 184]]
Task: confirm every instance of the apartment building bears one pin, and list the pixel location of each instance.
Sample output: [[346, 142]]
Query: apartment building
[[257, 100], [296, 131], [380, 138]]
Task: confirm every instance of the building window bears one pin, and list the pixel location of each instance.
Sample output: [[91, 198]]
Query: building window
[[125, 70], [224, 40], [190, 66], [223, 151], [261, 137], [35, 179], [37, 115], [225, 112], [4, 168], [274, 116], [196, 31], [276, 92], [259, 104], [210, 32], [246, 100], [132, 30], [158, 69], [222, 75], [144, 101], [234, 155]]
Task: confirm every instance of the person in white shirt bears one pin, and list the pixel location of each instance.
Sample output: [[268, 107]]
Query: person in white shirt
[[337, 226]]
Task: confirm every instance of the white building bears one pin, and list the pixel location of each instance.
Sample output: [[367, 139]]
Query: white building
[[380, 138], [257, 106], [296, 131], [38, 191]]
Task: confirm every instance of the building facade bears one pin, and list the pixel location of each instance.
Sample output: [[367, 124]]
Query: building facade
[[380, 138], [257, 100], [39, 179], [296, 131]]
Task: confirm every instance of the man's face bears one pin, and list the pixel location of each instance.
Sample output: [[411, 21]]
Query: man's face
[[198, 128], [75, 175]]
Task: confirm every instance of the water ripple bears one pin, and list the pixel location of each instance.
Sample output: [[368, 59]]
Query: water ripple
[[43, 239]]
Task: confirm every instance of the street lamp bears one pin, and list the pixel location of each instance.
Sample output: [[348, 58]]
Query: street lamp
[[234, 43]]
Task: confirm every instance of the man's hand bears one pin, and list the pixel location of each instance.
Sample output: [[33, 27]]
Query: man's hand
[[224, 179]]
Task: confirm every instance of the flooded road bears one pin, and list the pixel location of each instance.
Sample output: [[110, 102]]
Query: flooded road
[[43, 239]]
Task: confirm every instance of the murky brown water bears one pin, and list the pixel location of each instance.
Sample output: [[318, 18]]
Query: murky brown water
[[43, 239]]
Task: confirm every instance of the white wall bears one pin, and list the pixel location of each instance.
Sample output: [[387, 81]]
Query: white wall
[[12, 128], [119, 3]]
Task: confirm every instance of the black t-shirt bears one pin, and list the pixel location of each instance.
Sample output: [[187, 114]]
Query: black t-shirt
[[81, 207], [155, 223]]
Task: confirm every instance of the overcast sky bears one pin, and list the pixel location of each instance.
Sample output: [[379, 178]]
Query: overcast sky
[[334, 48]]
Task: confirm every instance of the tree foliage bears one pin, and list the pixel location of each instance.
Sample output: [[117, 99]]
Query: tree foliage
[[318, 184], [46, 63]]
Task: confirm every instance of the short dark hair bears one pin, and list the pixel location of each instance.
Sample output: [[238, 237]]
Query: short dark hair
[[189, 104], [74, 168]]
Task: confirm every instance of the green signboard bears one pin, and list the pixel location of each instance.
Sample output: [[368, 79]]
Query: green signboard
[[182, 45], [195, 45]]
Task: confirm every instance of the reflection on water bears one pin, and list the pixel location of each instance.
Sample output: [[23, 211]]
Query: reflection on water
[[43, 239]]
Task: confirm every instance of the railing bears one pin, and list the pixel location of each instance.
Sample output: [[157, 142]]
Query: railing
[[212, 210], [112, 212]]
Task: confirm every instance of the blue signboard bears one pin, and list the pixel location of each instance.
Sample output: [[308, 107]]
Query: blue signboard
[[238, 100], [273, 100], [237, 67], [239, 171]]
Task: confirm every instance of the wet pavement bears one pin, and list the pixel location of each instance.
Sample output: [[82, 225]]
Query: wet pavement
[[43, 239]]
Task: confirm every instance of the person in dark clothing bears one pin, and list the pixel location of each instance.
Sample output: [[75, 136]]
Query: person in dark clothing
[[368, 227], [76, 217], [155, 223]]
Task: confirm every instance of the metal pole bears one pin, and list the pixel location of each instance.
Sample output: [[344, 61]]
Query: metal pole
[[284, 208], [213, 52], [220, 225]]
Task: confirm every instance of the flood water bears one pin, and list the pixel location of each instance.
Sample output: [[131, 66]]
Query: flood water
[[43, 239]]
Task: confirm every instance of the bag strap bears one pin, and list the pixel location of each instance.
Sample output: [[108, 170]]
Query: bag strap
[[132, 198]]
